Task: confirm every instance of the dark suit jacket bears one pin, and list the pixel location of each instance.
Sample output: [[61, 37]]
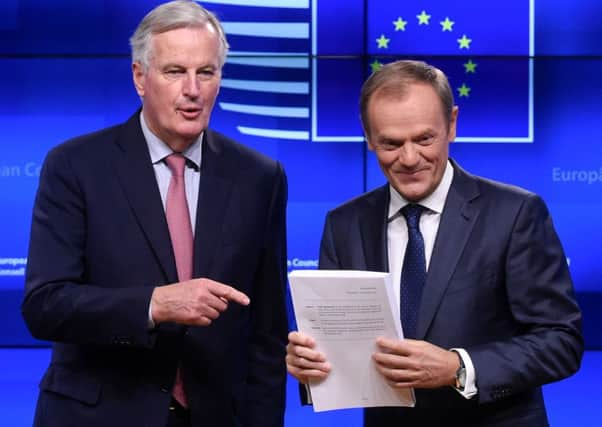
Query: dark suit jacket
[[100, 244], [498, 286]]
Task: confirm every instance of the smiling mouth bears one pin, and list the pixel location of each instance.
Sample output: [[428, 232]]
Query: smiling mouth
[[409, 173]]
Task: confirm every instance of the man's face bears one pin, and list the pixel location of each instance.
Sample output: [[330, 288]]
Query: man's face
[[180, 85], [410, 138]]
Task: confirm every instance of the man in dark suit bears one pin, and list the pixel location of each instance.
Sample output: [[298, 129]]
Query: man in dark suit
[[157, 260], [485, 293]]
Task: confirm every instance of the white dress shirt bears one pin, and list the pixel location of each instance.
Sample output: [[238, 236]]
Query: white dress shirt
[[397, 239]]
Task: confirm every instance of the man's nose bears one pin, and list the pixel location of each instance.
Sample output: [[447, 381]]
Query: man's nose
[[191, 86], [408, 154]]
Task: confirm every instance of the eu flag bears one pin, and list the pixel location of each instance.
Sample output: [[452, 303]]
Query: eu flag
[[485, 49]]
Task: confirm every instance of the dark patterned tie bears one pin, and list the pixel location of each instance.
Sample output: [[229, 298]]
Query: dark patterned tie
[[413, 273]]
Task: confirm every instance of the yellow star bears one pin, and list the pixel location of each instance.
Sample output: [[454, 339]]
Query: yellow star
[[447, 24], [400, 24], [464, 42], [464, 91], [383, 42], [470, 66], [375, 65], [423, 18]]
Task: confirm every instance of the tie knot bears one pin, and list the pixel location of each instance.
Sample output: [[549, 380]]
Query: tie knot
[[412, 214], [175, 163]]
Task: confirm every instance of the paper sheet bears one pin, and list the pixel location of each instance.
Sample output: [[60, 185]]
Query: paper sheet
[[344, 312]]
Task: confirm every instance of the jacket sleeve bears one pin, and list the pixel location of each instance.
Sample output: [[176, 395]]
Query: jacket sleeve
[[60, 304], [547, 345]]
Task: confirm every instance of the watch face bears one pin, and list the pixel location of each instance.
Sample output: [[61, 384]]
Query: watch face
[[460, 373], [461, 377]]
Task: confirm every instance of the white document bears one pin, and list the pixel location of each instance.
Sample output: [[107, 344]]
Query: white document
[[344, 312]]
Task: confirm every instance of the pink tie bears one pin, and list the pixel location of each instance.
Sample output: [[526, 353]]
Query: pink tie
[[180, 231]]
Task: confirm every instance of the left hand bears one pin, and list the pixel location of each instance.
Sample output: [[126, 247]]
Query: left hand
[[412, 363], [303, 361]]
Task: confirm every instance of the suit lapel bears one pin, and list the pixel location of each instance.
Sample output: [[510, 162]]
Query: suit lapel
[[137, 177], [457, 221], [214, 192], [373, 231]]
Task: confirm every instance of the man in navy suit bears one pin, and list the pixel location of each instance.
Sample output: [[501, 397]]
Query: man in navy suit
[[495, 317], [136, 341]]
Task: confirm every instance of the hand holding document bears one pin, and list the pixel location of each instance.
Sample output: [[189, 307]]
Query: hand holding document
[[344, 312]]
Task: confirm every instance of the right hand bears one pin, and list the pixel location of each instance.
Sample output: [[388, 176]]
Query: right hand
[[196, 302], [302, 361]]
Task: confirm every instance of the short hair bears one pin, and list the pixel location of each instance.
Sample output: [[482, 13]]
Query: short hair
[[171, 16], [393, 79]]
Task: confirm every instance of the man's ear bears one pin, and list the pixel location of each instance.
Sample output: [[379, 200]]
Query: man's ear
[[453, 121], [139, 78]]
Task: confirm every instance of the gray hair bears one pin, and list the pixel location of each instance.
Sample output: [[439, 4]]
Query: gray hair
[[171, 16], [393, 79]]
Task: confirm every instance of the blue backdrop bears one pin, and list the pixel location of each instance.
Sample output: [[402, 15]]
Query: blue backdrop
[[525, 76]]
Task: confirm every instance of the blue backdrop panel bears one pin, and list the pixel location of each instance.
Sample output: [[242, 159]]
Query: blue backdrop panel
[[339, 27], [569, 28], [65, 70], [65, 27], [8, 14], [336, 90], [50, 101]]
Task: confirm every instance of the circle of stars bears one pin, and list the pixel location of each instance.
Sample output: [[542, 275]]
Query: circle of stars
[[447, 25]]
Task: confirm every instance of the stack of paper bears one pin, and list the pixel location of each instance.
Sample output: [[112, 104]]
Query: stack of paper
[[344, 312]]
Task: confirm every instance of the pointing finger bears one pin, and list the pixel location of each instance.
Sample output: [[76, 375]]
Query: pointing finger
[[228, 293]]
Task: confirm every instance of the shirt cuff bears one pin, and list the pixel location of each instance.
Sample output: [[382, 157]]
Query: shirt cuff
[[151, 322], [470, 388]]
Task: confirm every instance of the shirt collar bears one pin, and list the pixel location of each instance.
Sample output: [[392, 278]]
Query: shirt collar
[[434, 202], [159, 150]]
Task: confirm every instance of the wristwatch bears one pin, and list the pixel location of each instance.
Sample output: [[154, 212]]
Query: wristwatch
[[460, 374]]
